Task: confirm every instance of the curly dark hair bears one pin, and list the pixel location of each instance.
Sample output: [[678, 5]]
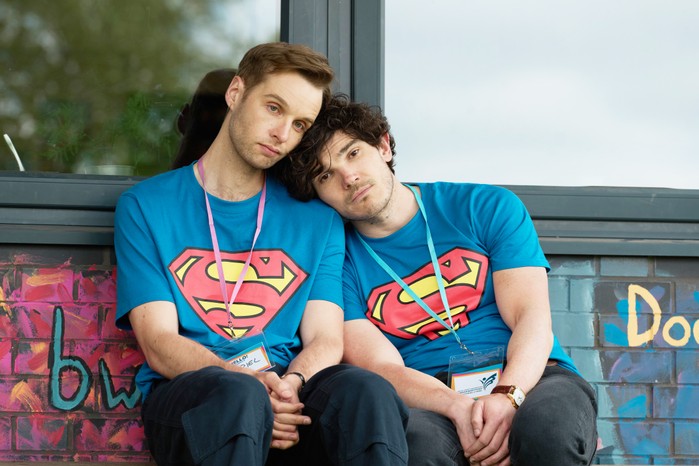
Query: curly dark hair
[[357, 120]]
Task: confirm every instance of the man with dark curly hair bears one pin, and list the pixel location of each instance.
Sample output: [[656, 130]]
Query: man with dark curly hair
[[445, 292]]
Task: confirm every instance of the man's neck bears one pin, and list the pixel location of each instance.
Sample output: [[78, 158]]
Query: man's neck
[[228, 178], [398, 212]]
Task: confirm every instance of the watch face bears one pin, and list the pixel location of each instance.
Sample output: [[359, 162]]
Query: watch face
[[518, 396]]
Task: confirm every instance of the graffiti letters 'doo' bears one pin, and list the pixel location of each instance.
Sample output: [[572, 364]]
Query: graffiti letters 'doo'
[[681, 337]]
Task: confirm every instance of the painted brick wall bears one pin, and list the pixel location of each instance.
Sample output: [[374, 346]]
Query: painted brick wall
[[632, 327], [67, 373]]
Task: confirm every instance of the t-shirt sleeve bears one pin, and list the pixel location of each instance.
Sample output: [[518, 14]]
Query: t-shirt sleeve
[[140, 275], [327, 285], [508, 231]]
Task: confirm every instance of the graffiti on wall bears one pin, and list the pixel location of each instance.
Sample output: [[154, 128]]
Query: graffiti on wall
[[59, 363], [674, 325], [650, 373], [67, 372]]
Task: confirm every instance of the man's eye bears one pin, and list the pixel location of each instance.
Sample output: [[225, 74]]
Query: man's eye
[[300, 126], [273, 108], [353, 152], [323, 178]]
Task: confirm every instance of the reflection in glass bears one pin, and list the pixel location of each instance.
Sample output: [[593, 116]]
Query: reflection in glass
[[95, 86], [544, 92]]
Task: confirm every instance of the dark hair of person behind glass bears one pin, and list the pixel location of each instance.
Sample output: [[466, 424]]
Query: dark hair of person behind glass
[[200, 120]]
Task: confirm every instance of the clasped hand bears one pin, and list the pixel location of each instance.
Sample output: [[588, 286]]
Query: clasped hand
[[484, 430], [283, 395]]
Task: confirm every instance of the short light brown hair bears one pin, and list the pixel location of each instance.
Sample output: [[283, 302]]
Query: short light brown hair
[[279, 57]]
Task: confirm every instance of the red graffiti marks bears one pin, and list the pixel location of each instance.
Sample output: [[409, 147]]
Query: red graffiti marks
[[5, 356], [119, 434], [41, 433], [66, 373], [47, 285]]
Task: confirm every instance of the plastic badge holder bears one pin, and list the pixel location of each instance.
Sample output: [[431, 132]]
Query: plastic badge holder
[[475, 374], [248, 352]]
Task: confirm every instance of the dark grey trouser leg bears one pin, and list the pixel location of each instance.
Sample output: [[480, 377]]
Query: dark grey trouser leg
[[433, 441], [557, 423], [211, 417], [358, 420]]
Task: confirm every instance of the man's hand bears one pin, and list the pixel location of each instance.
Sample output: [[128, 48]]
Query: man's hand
[[283, 395], [491, 419], [461, 415]]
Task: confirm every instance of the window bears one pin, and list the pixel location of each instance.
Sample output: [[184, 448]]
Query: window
[[543, 92], [95, 86]]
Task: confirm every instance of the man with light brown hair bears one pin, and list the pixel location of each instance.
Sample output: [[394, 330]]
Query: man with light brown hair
[[234, 292]]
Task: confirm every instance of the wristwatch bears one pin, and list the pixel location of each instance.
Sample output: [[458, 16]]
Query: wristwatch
[[514, 393]]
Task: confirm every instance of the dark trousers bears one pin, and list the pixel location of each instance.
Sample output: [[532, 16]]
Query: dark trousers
[[215, 417], [555, 426]]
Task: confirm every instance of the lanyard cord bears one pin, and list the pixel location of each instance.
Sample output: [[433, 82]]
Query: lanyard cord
[[217, 252], [437, 272]]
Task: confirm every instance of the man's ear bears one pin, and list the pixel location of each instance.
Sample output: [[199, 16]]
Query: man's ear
[[385, 147], [235, 90]]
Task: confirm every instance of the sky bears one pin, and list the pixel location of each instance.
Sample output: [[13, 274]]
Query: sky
[[545, 92]]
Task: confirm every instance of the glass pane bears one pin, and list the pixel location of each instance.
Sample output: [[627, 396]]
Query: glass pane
[[544, 92], [95, 86]]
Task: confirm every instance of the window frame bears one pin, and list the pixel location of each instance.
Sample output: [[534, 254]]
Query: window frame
[[69, 209]]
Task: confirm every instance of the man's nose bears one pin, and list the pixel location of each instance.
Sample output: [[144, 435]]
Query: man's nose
[[349, 176], [281, 131]]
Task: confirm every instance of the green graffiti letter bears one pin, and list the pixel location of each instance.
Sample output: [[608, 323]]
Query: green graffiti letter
[[112, 399], [58, 363]]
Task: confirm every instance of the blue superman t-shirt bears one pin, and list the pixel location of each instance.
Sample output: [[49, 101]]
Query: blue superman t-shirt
[[164, 253], [477, 230]]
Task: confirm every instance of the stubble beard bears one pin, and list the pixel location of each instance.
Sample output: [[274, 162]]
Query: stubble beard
[[245, 152], [381, 209]]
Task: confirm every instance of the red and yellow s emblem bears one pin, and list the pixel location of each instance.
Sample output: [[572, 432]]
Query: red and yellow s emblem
[[391, 309], [270, 282]]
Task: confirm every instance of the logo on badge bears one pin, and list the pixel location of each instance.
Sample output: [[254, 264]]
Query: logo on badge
[[488, 381]]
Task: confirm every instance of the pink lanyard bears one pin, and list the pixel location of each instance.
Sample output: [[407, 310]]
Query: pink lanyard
[[217, 251]]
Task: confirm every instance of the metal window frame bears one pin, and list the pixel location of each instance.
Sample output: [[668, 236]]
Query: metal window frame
[[66, 209], [57, 209], [350, 33]]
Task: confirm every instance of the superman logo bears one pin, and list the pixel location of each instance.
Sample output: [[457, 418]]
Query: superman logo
[[391, 309], [269, 283]]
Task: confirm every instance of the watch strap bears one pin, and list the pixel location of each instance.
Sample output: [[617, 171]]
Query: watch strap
[[508, 390], [299, 375]]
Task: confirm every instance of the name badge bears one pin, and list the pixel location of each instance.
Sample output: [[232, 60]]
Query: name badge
[[254, 358], [248, 352], [476, 374], [476, 383]]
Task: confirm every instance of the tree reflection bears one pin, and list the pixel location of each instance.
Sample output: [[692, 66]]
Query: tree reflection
[[89, 86]]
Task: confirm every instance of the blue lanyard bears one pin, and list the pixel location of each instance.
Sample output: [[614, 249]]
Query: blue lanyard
[[437, 272]]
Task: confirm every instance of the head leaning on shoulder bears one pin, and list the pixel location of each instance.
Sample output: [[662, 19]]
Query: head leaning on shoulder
[[310, 160], [268, 59]]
